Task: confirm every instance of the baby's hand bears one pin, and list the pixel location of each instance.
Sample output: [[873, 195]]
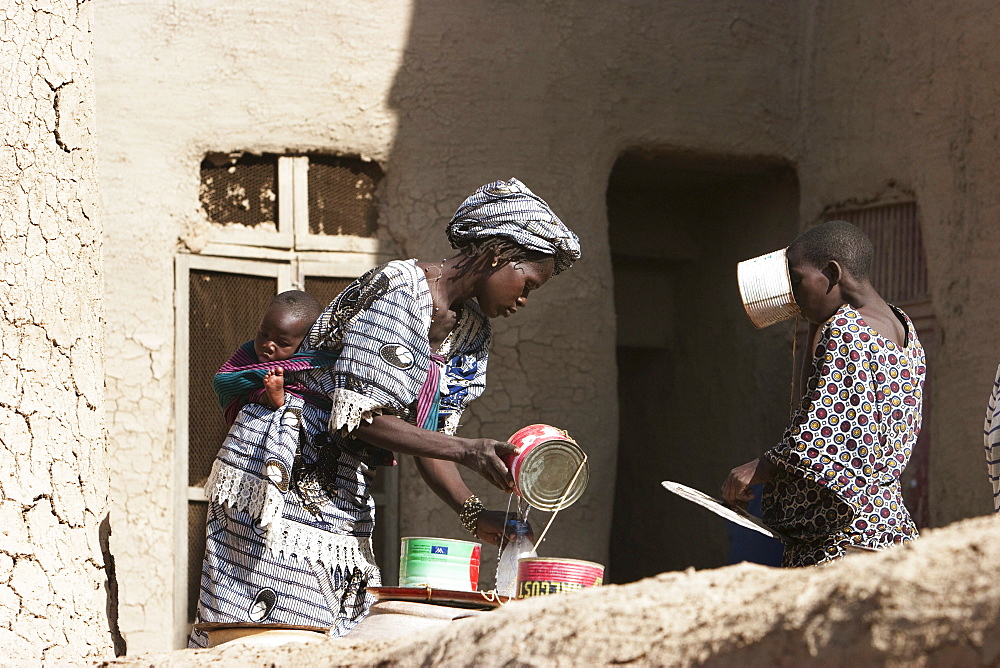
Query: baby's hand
[[274, 387]]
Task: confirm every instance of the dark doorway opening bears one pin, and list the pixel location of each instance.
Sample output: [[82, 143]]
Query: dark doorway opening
[[700, 390]]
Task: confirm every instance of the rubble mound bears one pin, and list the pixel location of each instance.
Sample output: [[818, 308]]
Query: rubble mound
[[933, 602]]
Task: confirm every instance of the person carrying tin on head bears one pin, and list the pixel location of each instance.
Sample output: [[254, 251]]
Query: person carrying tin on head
[[833, 479], [410, 343]]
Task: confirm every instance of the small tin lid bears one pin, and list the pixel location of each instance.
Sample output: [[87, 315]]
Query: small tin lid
[[766, 289], [546, 472]]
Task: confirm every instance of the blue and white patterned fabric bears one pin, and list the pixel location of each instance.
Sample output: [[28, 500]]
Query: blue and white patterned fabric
[[509, 209], [291, 516], [288, 537], [379, 326], [991, 440]]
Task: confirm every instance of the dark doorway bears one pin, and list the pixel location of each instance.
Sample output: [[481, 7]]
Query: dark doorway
[[700, 390]]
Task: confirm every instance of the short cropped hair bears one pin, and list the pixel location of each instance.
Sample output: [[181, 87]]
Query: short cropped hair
[[836, 240], [302, 305]]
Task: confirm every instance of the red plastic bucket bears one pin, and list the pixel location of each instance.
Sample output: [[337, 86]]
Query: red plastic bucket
[[542, 576], [550, 471]]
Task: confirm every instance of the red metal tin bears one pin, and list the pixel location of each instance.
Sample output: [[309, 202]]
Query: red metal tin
[[542, 576], [550, 470]]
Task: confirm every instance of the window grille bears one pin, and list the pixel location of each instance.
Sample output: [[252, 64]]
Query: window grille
[[240, 189], [342, 196], [225, 310], [899, 271], [292, 202], [325, 288]]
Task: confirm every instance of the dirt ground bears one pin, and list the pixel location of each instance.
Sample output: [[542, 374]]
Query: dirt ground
[[935, 602]]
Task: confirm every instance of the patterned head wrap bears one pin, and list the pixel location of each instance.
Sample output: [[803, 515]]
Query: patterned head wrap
[[509, 209]]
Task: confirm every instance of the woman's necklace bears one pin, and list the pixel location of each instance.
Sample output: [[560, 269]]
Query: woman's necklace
[[436, 279]]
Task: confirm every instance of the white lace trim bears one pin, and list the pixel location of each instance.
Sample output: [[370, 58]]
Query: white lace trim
[[317, 546], [243, 491], [264, 503], [349, 408], [451, 423]]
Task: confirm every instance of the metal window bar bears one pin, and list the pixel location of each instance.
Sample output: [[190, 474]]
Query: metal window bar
[[899, 271]]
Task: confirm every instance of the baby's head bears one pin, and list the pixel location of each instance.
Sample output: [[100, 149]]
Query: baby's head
[[286, 322]]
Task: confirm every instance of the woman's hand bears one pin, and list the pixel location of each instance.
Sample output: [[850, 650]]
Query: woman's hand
[[736, 489], [494, 524], [483, 455]]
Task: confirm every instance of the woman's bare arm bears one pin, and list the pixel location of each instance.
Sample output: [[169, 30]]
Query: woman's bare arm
[[436, 456], [443, 477], [482, 455], [445, 480]]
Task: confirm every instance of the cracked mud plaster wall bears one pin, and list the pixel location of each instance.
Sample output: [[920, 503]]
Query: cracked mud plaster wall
[[908, 92], [561, 92], [174, 81], [854, 96], [54, 485], [558, 94]]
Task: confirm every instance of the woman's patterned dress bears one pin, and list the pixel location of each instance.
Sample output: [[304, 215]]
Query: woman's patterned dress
[[291, 514], [841, 457]]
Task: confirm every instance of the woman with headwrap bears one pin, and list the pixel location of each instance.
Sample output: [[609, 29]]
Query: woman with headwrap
[[289, 528]]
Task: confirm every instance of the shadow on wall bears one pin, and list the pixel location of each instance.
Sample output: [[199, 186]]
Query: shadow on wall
[[546, 92], [104, 535], [484, 92], [699, 389]]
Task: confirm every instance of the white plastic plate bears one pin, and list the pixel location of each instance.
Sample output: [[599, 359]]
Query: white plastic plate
[[721, 508]]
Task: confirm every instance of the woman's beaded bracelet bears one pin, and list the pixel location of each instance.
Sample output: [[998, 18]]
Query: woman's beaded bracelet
[[471, 510]]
